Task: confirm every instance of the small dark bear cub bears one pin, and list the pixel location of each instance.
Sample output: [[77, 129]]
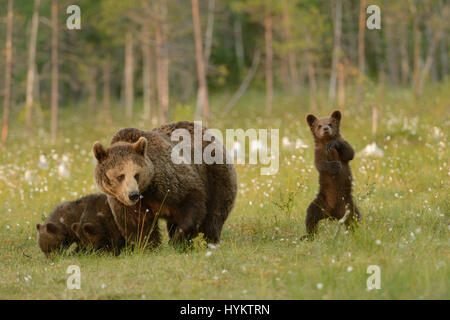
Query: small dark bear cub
[[56, 233], [332, 155], [96, 229]]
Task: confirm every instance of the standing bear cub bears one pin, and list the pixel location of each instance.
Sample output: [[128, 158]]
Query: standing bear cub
[[144, 184], [331, 158]]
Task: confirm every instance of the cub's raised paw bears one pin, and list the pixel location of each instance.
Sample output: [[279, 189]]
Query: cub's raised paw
[[331, 145], [334, 167]]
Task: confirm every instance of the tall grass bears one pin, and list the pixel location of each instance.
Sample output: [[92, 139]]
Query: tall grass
[[403, 198]]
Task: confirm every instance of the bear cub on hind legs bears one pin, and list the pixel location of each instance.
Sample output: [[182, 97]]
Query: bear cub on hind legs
[[332, 155]]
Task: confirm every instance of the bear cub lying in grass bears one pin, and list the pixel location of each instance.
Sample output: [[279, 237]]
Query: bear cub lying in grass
[[332, 155], [92, 213], [97, 229]]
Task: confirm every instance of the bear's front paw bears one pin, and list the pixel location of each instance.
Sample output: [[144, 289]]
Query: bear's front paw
[[331, 145], [334, 167]]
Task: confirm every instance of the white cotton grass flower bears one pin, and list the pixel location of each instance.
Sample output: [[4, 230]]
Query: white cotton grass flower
[[349, 269], [320, 286], [286, 143], [43, 163], [208, 253], [371, 150], [103, 286], [378, 241], [63, 172], [28, 175], [299, 144], [212, 246]]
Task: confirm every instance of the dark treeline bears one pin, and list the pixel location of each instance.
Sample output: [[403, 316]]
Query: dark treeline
[[155, 53]]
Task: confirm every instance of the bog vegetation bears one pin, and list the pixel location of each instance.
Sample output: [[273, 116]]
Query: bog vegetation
[[233, 64]]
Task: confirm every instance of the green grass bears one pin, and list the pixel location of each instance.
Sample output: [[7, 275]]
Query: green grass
[[403, 197]]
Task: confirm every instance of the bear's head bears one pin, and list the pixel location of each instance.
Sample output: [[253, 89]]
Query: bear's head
[[92, 234], [50, 236], [124, 170], [325, 128]]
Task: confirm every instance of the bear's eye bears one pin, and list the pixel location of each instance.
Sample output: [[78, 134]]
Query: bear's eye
[[120, 178], [136, 177], [320, 126], [330, 124]]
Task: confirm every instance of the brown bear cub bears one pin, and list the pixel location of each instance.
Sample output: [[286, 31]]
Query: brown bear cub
[[96, 228], [331, 158], [56, 232], [144, 184]]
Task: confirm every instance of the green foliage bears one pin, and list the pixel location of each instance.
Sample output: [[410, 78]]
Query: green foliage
[[403, 197]]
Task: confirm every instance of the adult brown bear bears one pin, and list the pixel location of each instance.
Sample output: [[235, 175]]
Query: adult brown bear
[[143, 184]]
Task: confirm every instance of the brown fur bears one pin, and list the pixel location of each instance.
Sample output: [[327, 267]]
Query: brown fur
[[56, 232], [97, 228], [192, 198], [331, 158]]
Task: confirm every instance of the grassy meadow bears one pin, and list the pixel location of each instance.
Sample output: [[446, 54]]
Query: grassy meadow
[[403, 197]]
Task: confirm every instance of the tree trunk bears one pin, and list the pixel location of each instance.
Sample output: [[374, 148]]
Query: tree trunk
[[8, 73], [31, 66], [55, 75], [404, 63], [107, 91], [444, 57], [361, 51], [391, 56], [209, 33], [292, 60], [312, 81], [284, 73], [336, 51], [431, 53], [269, 61], [341, 85], [203, 87], [379, 57], [208, 45], [147, 82], [417, 36], [238, 43], [92, 91], [162, 66], [129, 75]]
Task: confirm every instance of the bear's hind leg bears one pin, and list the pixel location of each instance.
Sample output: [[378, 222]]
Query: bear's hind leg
[[314, 214]]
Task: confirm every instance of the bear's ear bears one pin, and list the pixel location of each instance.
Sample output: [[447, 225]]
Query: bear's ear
[[88, 228], [52, 228], [310, 119], [38, 226], [75, 227], [99, 151], [336, 115], [140, 146]]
